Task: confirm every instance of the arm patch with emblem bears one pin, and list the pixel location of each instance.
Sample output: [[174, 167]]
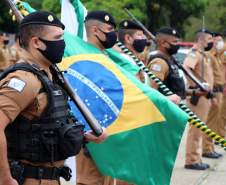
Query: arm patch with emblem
[[156, 67], [17, 84], [192, 54]]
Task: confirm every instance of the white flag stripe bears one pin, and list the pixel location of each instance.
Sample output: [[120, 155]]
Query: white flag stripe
[[69, 18]]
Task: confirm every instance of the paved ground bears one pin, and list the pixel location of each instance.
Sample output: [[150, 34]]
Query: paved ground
[[216, 175]]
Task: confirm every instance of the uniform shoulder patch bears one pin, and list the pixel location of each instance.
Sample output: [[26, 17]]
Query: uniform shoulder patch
[[209, 60], [224, 52], [157, 67], [191, 54], [17, 84], [194, 49]]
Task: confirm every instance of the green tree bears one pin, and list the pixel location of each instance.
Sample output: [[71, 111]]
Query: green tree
[[116, 8], [37, 5], [53, 6], [6, 22], [172, 13], [220, 14], [152, 13], [214, 20]]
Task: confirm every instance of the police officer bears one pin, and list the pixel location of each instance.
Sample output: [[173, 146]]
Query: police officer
[[4, 53], [15, 51], [199, 105], [100, 26], [131, 35], [214, 116], [34, 124], [163, 67]]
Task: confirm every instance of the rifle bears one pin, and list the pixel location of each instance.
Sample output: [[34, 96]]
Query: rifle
[[15, 11], [194, 79], [203, 37], [63, 82], [149, 34]]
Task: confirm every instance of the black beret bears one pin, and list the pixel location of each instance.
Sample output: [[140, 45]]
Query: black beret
[[216, 34], [4, 34], [128, 24], [168, 31], [102, 16], [205, 31], [41, 17]]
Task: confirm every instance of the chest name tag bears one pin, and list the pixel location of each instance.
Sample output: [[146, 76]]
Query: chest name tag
[[17, 84], [156, 67], [57, 93]]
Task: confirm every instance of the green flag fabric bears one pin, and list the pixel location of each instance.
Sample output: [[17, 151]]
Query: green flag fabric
[[145, 128]]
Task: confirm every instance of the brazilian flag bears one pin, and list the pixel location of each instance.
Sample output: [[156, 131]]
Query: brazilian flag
[[145, 128]]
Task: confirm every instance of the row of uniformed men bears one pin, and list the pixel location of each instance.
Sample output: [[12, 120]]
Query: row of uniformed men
[[10, 56], [100, 27], [207, 105]]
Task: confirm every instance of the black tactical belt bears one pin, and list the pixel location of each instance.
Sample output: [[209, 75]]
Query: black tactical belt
[[20, 172], [218, 89], [38, 172]]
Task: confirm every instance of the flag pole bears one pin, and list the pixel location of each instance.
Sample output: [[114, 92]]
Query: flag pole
[[193, 119]]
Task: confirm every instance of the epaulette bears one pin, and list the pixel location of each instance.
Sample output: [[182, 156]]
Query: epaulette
[[194, 49]]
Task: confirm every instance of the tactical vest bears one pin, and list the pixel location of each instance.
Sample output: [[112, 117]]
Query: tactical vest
[[173, 81], [53, 136]]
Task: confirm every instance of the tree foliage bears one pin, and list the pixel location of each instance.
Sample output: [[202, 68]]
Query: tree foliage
[[220, 13], [183, 15], [6, 22], [215, 20], [116, 8], [152, 13], [52, 6]]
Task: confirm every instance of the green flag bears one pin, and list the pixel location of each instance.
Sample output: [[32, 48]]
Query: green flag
[[145, 127]]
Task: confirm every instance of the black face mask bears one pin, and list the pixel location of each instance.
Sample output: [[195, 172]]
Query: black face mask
[[139, 44], [148, 44], [111, 38], [210, 45], [173, 48], [6, 42], [54, 50]]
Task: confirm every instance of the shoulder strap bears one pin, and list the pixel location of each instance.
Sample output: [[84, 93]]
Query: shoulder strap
[[27, 67], [17, 66], [168, 61]]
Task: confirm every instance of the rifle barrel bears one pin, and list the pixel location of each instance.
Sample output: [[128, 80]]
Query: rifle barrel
[[88, 116], [203, 37], [193, 78], [15, 11], [149, 34]]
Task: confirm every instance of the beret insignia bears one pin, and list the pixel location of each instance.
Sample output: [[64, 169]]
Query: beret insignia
[[125, 23], [4, 34], [106, 18], [50, 18], [174, 32]]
